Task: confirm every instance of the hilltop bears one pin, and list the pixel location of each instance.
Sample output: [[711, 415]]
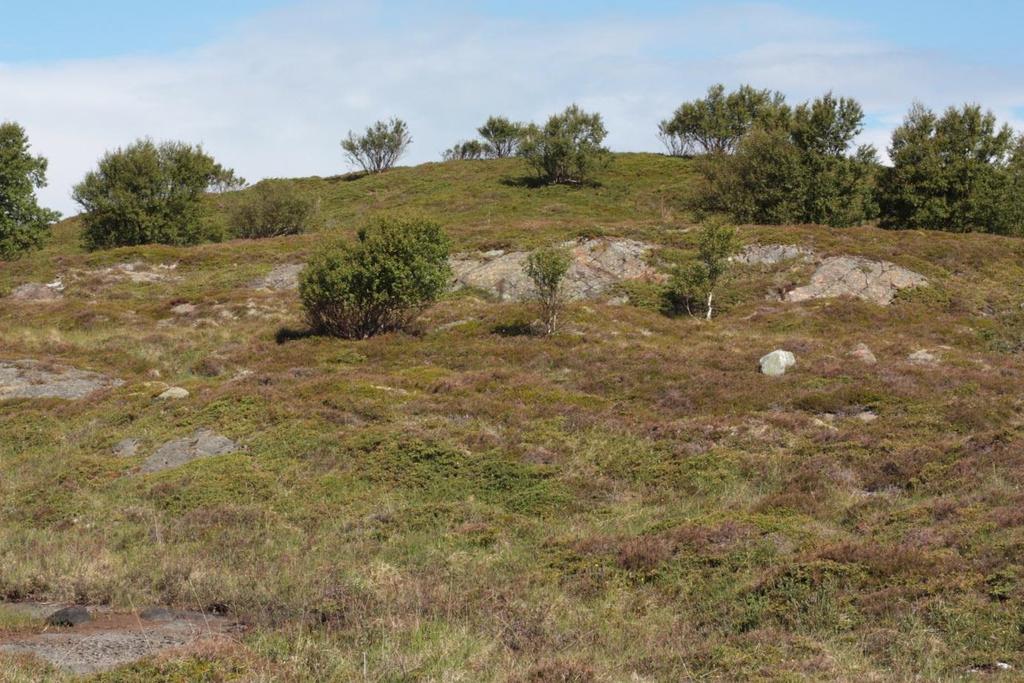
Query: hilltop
[[628, 500]]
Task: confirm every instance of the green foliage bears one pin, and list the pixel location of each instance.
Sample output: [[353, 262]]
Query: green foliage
[[23, 223], [567, 149], [803, 172], [716, 123], [381, 282], [467, 149], [148, 193], [546, 268], [693, 284], [501, 135], [960, 172], [270, 209], [380, 147]]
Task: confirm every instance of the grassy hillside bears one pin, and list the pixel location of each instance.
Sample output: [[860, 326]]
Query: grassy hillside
[[629, 500]]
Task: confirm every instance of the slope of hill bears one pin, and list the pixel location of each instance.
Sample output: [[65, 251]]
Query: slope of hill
[[628, 500]]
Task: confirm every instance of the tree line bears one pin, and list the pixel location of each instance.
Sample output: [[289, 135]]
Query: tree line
[[761, 160]]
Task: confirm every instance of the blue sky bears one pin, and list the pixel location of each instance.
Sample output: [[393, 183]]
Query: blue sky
[[72, 29], [270, 86]]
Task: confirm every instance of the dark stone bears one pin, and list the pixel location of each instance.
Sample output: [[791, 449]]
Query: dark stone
[[157, 614], [69, 616]]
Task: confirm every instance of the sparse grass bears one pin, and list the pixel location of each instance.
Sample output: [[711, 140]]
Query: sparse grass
[[472, 502]]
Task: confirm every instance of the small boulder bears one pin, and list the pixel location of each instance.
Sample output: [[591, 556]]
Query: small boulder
[[126, 448], [777, 362], [69, 616], [183, 309], [864, 354], [174, 393], [923, 357]]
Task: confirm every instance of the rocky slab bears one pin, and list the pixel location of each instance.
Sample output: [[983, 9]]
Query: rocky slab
[[31, 379], [203, 443], [111, 640], [597, 265]]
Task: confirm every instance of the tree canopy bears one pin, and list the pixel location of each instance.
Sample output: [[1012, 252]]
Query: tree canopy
[[150, 193], [23, 223]]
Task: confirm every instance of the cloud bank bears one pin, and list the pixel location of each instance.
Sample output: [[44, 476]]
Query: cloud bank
[[274, 97]]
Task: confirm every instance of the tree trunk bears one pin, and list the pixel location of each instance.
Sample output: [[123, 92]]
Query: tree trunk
[[710, 296]]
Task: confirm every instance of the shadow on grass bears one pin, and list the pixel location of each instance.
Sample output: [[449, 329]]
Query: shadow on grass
[[515, 329], [287, 334], [534, 182]]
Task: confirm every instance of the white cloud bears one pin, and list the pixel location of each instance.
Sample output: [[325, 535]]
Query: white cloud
[[274, 97]]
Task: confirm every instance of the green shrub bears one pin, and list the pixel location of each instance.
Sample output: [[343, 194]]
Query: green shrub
[[960, 172], [716, 123], [381, 282], [23, 223], [501, 136], [468, 149], [692, 286], [271, 209], [148, 193], [380, 147], [567, 149], [805, 171], [546, 268]]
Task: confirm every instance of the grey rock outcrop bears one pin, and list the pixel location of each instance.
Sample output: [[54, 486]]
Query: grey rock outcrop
[[203, 443], [771, 254], [854, 276], [597, 265], [31, 379]]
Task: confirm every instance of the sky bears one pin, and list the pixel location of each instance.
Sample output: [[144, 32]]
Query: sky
[[269, 87]]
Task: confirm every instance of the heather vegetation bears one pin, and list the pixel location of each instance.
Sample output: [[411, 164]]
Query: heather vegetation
[[763, 436]]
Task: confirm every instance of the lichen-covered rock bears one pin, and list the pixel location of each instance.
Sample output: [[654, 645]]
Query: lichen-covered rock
[[31, 379], [37, 291], [597, 265], [864, 354], [853, 276], [173, 394], [771, 254], [203, 443], [777, 362]]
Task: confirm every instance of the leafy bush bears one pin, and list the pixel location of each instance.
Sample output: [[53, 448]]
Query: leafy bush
[[380, 147], [468, 149], [716, 123], [381, 282], [271, 209], [501, 135], [692, 285], [547, 268], [803, 172], [148, 193], [23, 223], [567, 149], [959, 172]]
